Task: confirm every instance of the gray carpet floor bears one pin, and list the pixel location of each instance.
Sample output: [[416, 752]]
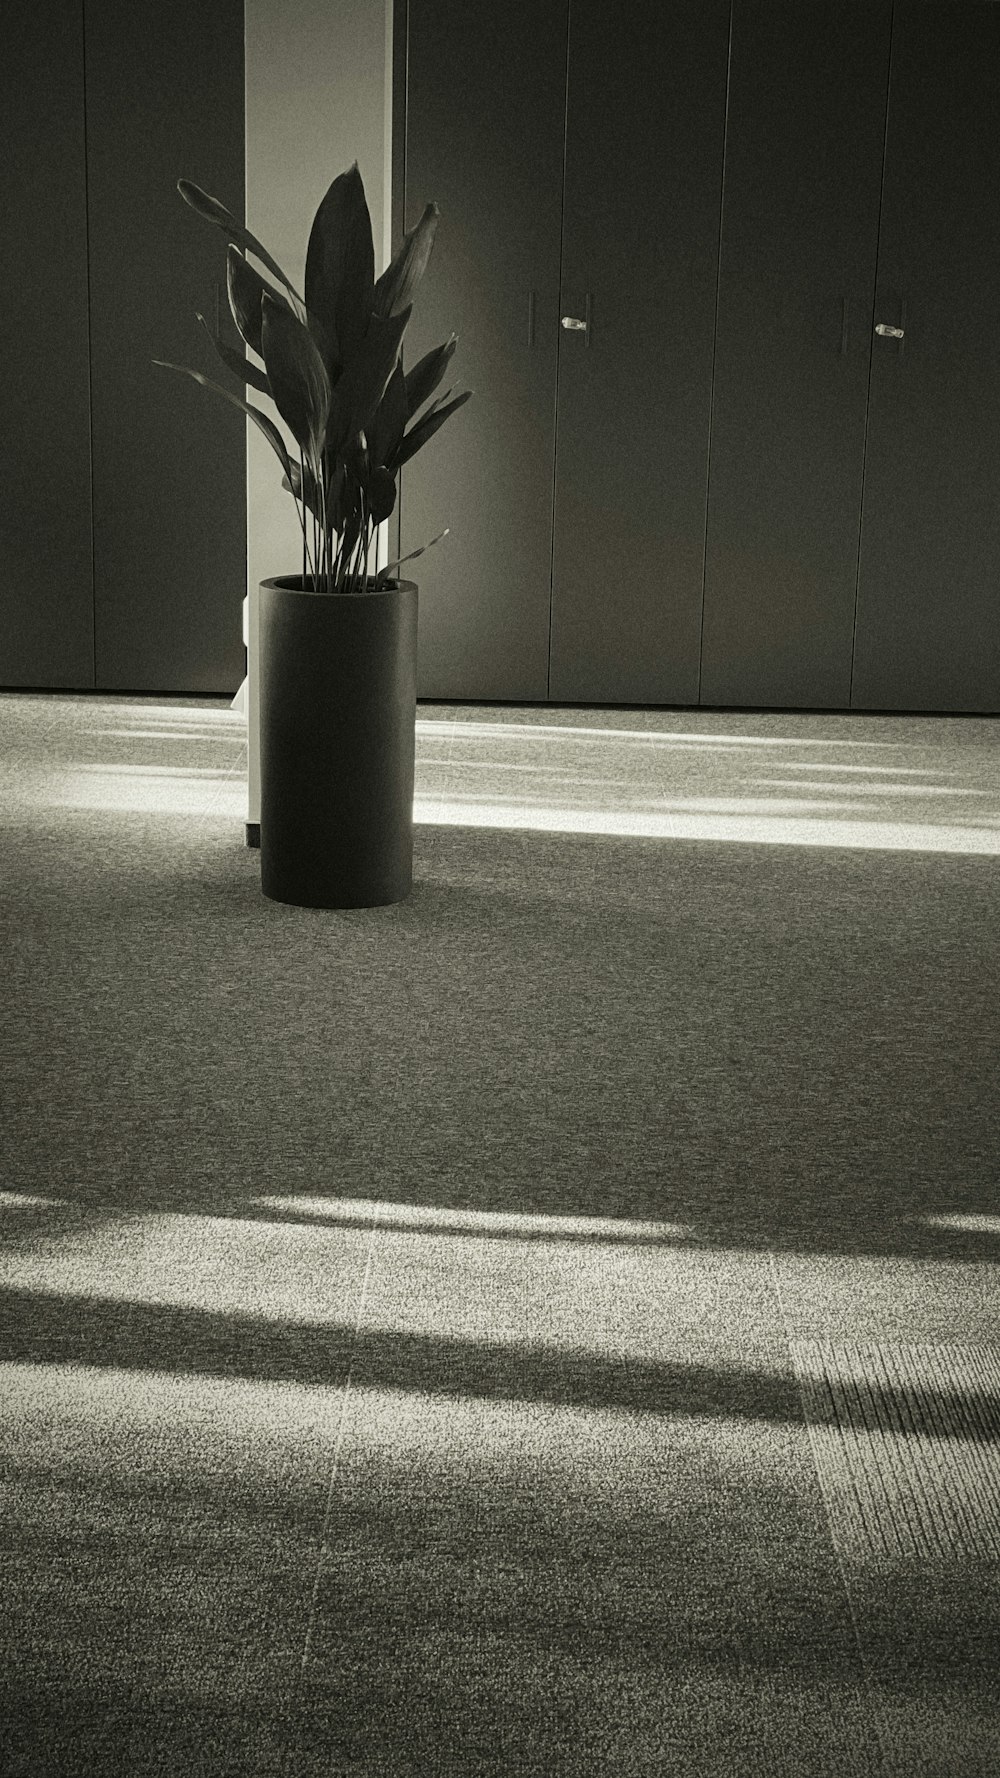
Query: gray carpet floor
[[548, 1326]]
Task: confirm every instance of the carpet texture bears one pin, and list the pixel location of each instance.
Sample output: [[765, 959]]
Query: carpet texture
[[907, 1440], [548, 1326]]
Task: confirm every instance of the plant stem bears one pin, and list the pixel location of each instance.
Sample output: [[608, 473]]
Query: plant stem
[[360, 555], [338, 561], [362, 552], [300, 507], [326, 535]]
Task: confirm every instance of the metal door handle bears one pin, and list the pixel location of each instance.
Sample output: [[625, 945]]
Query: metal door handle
[[894, 333], [573, 322]]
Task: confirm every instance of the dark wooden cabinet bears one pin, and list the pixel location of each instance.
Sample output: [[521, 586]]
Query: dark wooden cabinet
[[485, 109], [928, 621], [169, 457], [727, 488], [574, 482], [806, 124], [47, 608], [645, 127], [123, 492]]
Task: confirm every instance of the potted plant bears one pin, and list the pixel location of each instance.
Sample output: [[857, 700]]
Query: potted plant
[[338, 646]]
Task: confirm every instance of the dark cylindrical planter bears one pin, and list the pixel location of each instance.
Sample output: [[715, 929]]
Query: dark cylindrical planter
[[338, 707]]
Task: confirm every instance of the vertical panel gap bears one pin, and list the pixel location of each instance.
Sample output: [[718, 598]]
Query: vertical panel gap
[[90, 355], [555, 403], [715, 348], [871, 360], [404, 129]]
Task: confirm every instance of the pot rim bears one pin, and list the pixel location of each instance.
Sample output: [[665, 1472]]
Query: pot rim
[[280, 581]]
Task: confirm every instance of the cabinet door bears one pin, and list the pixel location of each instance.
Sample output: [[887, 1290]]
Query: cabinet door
[[804, 145], [169, 457], [47, 608], [928, 628], [485, 107], [640, 242]]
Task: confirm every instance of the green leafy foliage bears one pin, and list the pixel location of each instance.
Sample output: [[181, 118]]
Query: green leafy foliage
[[359, 392], [394, 290], [295, 482], [236, 362], [297, 375], [424, 378], [381, 493], [390, 418], [215, 212], [340, 268], [333, 368], [246, 289], [261, 421], [384, 573], [426, 427]]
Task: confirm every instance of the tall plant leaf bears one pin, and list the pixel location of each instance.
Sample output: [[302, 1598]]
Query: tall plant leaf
[[299, 382], [338, 495], [390, 418], [400, 279], [362, 386], [424, 378], [356, 457], [261, 421], [215, 212], [335, 484], [246, 288], [428, 411], [351, 527], [235, 361], [322, 339], [425, 428], [398, 563], [293, 483], [340, 268], [381, 493]]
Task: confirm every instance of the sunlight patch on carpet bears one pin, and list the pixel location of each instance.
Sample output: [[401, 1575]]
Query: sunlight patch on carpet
[[472, 1222]]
